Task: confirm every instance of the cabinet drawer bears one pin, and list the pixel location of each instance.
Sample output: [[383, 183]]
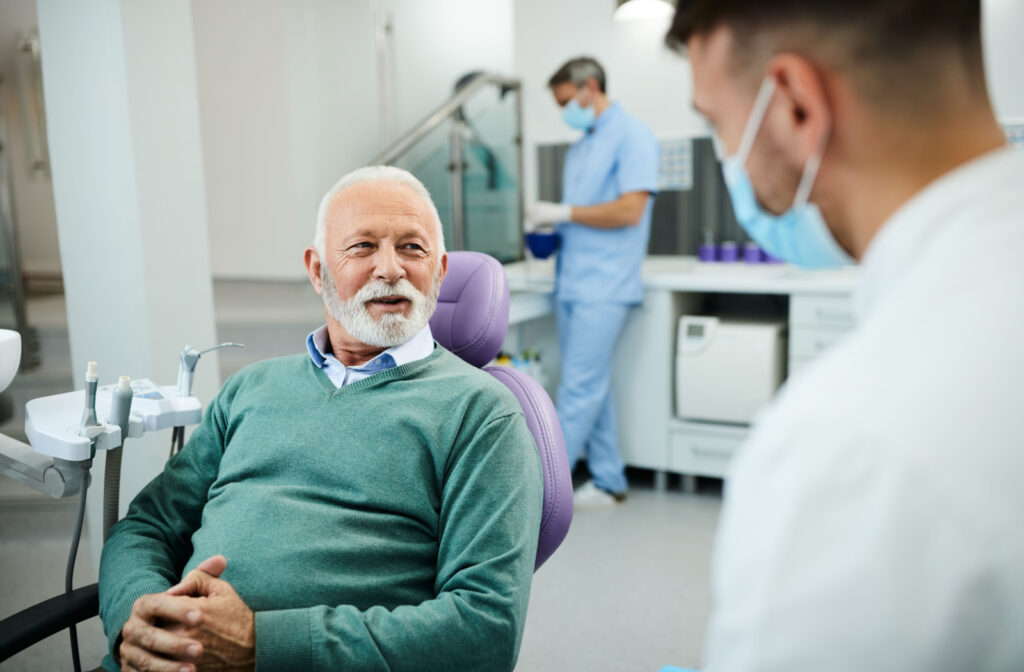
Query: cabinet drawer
[[703, 454], [821, 311], [807, 343]]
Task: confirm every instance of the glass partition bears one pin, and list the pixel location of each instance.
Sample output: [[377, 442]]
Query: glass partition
[[469, 155]]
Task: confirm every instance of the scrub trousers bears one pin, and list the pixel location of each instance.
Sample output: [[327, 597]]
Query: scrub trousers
[[587, 334]]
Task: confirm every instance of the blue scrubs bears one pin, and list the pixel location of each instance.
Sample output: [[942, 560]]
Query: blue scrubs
[[597, 280]]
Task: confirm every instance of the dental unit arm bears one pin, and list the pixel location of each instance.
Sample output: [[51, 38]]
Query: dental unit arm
[[65, 431], [58, 440]]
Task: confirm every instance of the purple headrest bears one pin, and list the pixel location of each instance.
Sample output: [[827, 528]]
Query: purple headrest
[[471, 317]]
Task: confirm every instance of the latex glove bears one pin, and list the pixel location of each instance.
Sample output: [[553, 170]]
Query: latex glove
[[546, 212]]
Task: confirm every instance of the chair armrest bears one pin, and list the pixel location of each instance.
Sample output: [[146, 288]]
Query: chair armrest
[[36, 623]]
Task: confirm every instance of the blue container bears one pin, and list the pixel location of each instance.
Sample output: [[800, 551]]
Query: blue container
[[542, 244]]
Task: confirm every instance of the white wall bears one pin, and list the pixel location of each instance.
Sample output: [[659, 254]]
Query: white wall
[[289, 103], [1004, 56], [33, 189], [650, 82], [435, 43]]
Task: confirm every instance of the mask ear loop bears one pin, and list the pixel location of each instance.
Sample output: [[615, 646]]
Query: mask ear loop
[[764, 96], [803, 191]]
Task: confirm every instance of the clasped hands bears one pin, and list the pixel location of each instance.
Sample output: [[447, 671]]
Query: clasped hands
[[199, 624]]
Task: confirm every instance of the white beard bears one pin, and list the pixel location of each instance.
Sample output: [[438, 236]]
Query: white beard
[[390, 329]]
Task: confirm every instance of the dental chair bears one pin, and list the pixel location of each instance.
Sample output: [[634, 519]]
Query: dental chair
[[471, 320]]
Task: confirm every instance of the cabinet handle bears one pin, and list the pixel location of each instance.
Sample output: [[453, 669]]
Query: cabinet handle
[[711, 452]]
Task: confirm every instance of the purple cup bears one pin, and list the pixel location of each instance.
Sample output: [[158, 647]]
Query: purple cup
[[769, 259], [752, 253], [728, 252], [707, 252]]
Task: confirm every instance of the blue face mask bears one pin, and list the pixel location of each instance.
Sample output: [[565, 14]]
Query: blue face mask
[[799, 235], [580, 118]]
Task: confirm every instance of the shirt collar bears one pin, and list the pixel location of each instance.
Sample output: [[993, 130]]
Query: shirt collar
[[909, 230], [606, 117], [416, 348]]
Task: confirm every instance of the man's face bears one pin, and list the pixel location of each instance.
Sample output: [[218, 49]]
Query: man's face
[[566, 91], [381, 267], [724, 95]]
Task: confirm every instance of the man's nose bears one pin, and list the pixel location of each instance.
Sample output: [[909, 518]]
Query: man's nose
[[388, 265]]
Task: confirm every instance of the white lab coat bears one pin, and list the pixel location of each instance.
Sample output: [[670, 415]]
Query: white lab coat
[[875, 519]]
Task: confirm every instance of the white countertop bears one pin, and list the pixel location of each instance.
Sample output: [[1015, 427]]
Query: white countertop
[[688, 274]]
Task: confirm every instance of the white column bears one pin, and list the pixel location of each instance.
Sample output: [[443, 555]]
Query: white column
[[122, 115]]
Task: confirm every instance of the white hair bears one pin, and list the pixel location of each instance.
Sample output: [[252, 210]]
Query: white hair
[[375, 174]]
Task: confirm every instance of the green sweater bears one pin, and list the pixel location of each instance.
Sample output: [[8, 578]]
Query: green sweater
[[388, 525]]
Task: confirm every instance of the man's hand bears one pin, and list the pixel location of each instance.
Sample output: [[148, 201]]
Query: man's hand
[[545, 212], [146, 644], [199, 624], [227, 627]]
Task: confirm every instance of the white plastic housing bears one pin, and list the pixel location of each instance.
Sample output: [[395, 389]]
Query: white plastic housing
[[52, 425], [159, 407], [10, 356]]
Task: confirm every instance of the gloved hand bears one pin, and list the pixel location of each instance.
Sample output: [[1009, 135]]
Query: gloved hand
[[546, 212]]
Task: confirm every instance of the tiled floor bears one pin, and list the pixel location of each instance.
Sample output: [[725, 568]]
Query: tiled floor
[[626, 591]]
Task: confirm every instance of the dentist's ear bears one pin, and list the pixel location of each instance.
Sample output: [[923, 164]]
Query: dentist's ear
[[802, 123], [313, 268]]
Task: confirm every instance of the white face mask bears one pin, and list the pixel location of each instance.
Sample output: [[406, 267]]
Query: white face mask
[[390, 329], [799, 235]]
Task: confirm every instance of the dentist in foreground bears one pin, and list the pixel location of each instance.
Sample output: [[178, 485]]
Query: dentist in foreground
[[872, 521]]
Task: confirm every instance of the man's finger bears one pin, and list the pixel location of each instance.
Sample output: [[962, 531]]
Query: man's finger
[[135, 658], [194, 584], [168, 608], [138, 633], [214, 566]]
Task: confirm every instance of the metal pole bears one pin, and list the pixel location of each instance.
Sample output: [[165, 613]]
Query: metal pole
[[456, 168], [520, 169]]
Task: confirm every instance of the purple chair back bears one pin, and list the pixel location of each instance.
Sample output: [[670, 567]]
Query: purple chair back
[[471, 320]]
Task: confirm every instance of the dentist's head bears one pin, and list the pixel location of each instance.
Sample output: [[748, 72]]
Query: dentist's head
[[578, 88], [377, 259], [833, 114]]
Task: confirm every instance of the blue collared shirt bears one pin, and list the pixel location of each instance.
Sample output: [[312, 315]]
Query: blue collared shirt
[[417, 347], [618, 155]]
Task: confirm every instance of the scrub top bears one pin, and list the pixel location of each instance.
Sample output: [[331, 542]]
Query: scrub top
[[616, 156]]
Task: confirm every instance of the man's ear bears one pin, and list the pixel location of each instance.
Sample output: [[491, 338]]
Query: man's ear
[[312, 260], [802, 123], [444, 269]]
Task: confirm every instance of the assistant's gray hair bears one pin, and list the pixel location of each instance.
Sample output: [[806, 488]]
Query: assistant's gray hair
[[375, 174], [578, 70]]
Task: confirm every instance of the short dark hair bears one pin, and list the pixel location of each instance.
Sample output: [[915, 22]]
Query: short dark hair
[[894, 39], [578, 70]]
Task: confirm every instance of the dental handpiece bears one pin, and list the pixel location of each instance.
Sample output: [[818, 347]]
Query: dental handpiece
[[91, 381]]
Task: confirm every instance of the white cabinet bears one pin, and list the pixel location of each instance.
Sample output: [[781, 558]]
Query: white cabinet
[[703, 449], [816, 323]]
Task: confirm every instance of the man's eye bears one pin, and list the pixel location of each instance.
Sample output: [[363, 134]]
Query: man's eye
[[414, 246], [362, 246]]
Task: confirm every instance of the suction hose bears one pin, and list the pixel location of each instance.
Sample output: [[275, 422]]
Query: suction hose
[[120, 410]]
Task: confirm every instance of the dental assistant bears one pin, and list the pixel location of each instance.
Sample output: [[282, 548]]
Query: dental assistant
[[609, 181], [872, 520]]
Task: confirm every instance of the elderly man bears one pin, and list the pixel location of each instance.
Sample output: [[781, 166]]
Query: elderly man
[[371, 505]]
